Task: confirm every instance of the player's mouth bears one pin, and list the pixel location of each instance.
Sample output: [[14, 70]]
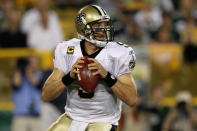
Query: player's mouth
[[100, 36]]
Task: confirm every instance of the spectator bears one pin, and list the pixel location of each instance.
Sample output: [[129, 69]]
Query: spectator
[[189, 33], [180, 16], [163, 36], [131, 32], [26, 96], [6, 6], [149, 19], [139, 118], [166, 5], [168, 27], [189, 39], [42, 27], [13, 36], [182, 117]]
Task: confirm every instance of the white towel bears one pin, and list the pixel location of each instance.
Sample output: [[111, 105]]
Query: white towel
[[78, 126]]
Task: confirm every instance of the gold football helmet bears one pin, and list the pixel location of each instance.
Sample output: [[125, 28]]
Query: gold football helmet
[[86, 18]]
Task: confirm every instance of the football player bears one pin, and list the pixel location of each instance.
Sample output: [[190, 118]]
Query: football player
[[114, 61]]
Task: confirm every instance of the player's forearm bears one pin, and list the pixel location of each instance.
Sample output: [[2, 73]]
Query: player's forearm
[[125, 89], [52, 89]]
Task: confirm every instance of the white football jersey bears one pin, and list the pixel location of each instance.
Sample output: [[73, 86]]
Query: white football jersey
[[102, 105]]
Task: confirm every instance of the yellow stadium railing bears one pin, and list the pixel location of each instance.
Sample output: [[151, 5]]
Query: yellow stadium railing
[[45, 56]]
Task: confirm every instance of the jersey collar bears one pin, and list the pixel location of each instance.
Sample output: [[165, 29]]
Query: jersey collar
[[82, 44]]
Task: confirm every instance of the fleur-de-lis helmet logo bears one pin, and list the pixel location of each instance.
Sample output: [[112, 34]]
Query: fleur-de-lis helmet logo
[[80, 18]]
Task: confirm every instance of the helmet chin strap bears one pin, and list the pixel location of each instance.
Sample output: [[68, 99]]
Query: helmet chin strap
[[95, 42]]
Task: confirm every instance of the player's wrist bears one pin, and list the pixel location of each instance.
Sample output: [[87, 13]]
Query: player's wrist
[[72, 75], [110, 80], [67, 79], [104, 75]]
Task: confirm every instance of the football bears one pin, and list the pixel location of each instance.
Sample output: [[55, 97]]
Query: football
[[85, 78]]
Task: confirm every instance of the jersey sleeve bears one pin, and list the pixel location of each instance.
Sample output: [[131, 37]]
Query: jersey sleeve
[[127, 62], [58, 58]]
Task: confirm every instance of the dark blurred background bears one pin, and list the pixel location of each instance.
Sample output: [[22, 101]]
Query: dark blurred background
[[163, 34]]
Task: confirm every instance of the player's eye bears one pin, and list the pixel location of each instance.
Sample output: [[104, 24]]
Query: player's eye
[[98, 29]]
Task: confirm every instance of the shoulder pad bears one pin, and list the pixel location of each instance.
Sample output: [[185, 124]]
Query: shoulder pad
[[72, 41], [118, 49]]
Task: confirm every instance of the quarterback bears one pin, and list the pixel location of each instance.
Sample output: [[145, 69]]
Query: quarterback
[[113, 61]]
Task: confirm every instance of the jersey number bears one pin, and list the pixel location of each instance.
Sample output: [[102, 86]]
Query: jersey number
[[85, 95]]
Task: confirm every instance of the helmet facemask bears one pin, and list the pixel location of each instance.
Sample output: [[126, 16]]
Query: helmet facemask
[[98, 35]]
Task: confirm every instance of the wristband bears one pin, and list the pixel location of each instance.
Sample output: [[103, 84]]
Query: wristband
[[67, 80], [109, 80]]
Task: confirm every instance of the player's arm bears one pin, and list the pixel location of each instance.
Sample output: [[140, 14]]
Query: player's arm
[[123, 86], [53, 86], [125, 89], [58, 81]]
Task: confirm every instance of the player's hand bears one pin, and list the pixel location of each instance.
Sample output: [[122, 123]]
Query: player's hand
[[75, 67], [98, 67]]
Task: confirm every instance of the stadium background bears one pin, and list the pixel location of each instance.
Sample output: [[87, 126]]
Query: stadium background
[[166, 48]]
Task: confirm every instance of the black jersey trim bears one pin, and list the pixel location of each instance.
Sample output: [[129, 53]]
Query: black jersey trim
[[82, 45]]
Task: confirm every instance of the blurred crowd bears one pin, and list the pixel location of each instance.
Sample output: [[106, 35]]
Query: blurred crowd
[[37, 28], [39, 24]]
